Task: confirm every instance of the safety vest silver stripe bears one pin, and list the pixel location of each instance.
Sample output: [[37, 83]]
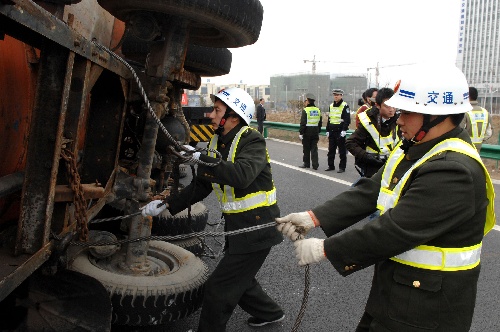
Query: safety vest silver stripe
[[440, 258], [335, 115], [255, 200], [384, 143]]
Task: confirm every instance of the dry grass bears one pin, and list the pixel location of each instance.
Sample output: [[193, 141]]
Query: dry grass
[[294, 117]]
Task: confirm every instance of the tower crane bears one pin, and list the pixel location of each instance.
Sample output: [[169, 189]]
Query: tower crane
[[314, 61], [377, 72]]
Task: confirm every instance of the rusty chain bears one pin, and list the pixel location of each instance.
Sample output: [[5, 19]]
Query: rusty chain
[[78, 198]]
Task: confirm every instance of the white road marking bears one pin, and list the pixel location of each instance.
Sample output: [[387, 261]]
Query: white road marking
[[305, 170]]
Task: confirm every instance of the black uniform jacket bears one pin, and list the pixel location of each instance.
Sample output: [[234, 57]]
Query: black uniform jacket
[[357, 142], [345, 116], [249, 173], [443, 204], [310, 131]]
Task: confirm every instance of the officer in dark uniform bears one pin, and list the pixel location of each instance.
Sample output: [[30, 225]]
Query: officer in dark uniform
[[339, 119], [310, 126], [376, 137], [244, 186], [436, 202]]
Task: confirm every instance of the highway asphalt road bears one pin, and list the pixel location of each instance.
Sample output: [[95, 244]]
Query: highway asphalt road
[[335, 302]]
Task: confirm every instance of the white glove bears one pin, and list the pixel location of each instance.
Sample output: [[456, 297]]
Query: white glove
[[295, 225], [190, 159], [309, 251], [342, 133], [327, 134], [301, 137], [152, 208]]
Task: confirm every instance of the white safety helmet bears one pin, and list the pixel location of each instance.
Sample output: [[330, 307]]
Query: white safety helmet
[[435, 89], [238, 100]]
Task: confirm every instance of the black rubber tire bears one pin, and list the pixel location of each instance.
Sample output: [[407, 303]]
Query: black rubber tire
[[152, 300], [201, 60], [191, 244], [166, 224], [208, 61], [222, 23]]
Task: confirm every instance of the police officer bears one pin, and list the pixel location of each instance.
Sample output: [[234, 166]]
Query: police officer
[[244, 186], [310, 126], [477, 121], [339, 119], [436, 202], [376, 137]]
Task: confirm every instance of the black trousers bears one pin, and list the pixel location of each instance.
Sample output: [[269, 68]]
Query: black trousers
[[336, 141], [310, 151], [260, 126], [233, 283]]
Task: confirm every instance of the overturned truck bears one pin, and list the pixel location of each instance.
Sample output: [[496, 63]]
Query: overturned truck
[[91, 124]]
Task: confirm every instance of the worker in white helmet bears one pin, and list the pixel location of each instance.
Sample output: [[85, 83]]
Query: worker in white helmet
[[244, 186], [435, 199]]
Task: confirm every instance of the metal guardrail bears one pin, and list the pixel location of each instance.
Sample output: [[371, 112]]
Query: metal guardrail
[[488, 151]]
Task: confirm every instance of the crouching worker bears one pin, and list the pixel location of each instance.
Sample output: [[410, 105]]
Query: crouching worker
[[436, 202], [244, 187]]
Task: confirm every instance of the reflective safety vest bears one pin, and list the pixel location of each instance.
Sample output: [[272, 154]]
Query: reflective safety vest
[[313, 115], [430, 257], [385, 144], [476, 117], [228, 201], [335, 116]]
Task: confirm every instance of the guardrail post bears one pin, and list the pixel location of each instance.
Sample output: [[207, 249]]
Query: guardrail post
[[265, 132]]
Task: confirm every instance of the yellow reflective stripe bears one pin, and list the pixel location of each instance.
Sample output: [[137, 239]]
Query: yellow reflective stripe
[[476, 117], [442, 259], [251, 201], [335, 116], [384, 143], [312, 119], [226, 196]]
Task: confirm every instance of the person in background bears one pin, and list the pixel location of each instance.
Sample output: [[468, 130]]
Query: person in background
[[261, 116], [339, 119], [477, 121], [244, 185], [436, 203], [310, 126], [369, 97], [361, 101], [376, 137]]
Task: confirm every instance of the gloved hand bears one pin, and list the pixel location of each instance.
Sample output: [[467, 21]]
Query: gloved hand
[[372, 160], [301, 137], [152, 208], [309, 251], [343, 133], [295, 225], [190, 159], [327, 134]]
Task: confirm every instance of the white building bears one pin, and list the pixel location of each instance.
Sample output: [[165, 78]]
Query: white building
[[478, 49]]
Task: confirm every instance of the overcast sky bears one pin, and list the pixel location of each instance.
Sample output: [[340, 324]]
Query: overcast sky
[[364, 32]]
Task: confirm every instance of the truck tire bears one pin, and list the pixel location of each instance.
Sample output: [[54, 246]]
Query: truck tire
[[166, 224], [208, 61], [222, 23], [191, 244], [140, 300], [201, 60]]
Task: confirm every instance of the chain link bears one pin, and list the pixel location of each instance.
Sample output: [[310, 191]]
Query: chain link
[[78, 197]]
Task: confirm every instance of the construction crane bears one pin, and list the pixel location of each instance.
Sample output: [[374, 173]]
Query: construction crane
[[314, 61], [377, 72]]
